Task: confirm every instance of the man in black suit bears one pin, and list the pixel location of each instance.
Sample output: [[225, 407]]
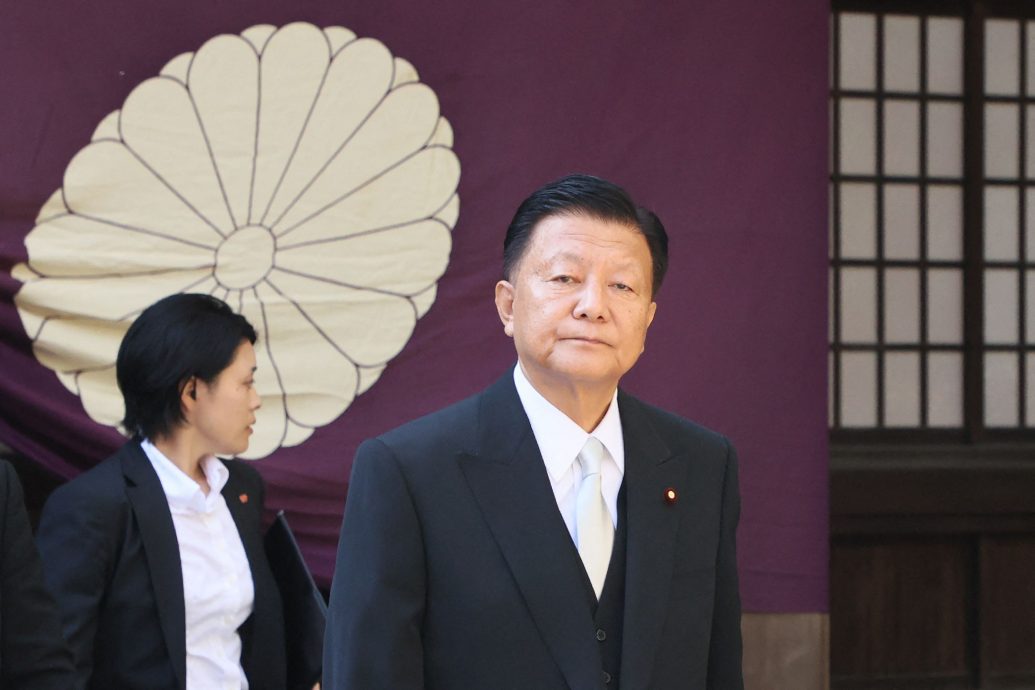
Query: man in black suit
[[33, 653], [551, 531]]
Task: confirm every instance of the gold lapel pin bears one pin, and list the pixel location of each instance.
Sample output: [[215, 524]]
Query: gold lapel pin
[[243, 498], [670, 495]]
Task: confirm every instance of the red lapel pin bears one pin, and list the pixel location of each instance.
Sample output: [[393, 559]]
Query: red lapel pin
[[243, 498], [670, 495]]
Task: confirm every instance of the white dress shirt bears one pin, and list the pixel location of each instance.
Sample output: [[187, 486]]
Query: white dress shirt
[[560, 439], [217, 581]]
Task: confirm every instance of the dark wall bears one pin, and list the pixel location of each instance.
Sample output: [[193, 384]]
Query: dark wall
[[933, 551]]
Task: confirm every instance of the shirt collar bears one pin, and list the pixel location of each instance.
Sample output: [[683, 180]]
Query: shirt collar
[[559, 438], [182, 491]]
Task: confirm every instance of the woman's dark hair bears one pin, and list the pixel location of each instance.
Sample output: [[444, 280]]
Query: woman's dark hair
[[176, 338], [591, 196]]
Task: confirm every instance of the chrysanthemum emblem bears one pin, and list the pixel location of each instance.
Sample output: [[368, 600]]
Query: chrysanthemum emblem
[[303, 175]]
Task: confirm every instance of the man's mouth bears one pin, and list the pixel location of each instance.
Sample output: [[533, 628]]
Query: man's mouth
[[587, 340]]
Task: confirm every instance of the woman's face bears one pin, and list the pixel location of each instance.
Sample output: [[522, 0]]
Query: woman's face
[[225, 409]]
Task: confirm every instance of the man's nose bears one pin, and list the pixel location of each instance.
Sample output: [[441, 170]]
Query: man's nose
[[592, 302]]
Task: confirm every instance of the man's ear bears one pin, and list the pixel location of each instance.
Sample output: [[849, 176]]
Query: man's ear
[[505, 306], [651, 310]]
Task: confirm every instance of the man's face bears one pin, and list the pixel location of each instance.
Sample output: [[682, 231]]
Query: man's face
[[580, 302]]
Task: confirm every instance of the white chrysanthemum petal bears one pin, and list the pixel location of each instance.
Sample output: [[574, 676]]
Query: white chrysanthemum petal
[[32, 321], [224, 83], [107, 297], [403, 260], [450, 212], [258, 35], [270, 419], [422, 301], [207, 286], [338, 37], [72, 344], [108, 128], [370, 328], [368, 376], [405, 73], [399, 126], [100, 395], [106, 181], [267, 383], [316, 137], [292, 69], [160, 125], [296, 433], [320, 381], [357, 81], [23, 273], [268, 431], [71, 245], [415, 189], [53, 206], [443, 135], [177, 67], [68, 381]]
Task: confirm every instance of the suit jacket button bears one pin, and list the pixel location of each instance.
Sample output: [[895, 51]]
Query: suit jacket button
[[601, 635], [607, 677]]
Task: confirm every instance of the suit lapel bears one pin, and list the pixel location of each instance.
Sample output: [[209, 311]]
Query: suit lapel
[[151, 510], [650, 470], [237, 498], [243, 509], [509, 481]]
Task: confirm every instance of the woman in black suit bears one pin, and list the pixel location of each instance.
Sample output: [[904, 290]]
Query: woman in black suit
[[155, 556], [33, 655]]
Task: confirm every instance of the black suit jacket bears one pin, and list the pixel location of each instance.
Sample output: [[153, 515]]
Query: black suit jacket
[[454, 567], [112, 561], [33, 654]]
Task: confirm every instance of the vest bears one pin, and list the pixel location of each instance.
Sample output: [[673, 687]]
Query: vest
[[608, 612]]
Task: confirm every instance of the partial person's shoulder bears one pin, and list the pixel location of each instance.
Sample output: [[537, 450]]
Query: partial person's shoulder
[[447, 428], [243, 470], [104, 480], [8, 480], [245, 481], [96, 495], [677, 431]]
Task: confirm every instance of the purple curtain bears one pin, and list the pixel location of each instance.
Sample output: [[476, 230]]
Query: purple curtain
[[712, 113]]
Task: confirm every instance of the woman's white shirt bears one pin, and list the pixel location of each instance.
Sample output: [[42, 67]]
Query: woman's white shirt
[[217, 581]]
